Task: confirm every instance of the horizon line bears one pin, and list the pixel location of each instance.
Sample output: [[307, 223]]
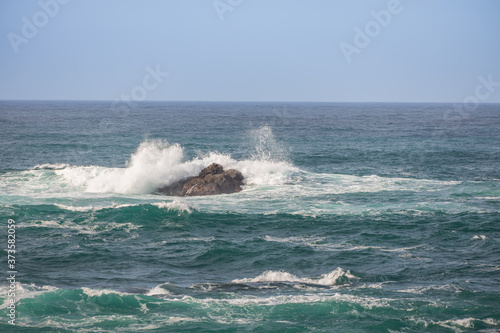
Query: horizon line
[[239, 101]]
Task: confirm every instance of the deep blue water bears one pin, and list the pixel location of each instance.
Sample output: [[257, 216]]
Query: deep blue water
[[354, 217]]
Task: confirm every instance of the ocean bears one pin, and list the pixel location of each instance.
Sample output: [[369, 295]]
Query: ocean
[[366, 217]]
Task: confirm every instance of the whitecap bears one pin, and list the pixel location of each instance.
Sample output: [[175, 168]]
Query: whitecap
[[335, 277], [366, 302], [24, 291], [75, 208], [159, 291], [157, 163], [489, 198], [100, 292], [479, 237], [467, 323], [176, 205], [423, 289], [49, 166]]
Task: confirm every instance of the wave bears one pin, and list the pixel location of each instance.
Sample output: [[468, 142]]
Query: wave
[[49, 166], [157, 163], [321, 244], [54, 308], [335, 277], [83, 228], [285, 279], [41, 308], [175, 205], [79, 208], [429, 289], [457, 325], [273, 185], [174, 308]]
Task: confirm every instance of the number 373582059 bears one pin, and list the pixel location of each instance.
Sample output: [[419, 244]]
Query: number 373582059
[[11, 247]]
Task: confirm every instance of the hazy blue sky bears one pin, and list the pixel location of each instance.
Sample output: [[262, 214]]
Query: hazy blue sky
[[250, 50]]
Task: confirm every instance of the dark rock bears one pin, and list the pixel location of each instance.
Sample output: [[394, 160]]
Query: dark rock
[[212, 169], [211, 180]]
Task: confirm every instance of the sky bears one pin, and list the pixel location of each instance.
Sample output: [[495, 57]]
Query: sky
[[251, 50]]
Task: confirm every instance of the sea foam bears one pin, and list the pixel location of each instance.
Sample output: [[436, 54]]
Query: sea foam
[[175, 205], [335, 277], [157, 163]]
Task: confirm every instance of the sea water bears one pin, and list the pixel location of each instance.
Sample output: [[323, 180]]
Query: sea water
[[353, 217]]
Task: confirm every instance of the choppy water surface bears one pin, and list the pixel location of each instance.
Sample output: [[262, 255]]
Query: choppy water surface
[[354, 217]]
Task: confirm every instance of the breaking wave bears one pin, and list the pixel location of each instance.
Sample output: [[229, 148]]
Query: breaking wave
[[157, 163], [335, 277]]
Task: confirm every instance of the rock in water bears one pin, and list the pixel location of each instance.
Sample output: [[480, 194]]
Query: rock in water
[[211, 180], [212, 169]]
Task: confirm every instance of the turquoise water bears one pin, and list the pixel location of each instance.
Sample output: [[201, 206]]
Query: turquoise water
[[354, 218]]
